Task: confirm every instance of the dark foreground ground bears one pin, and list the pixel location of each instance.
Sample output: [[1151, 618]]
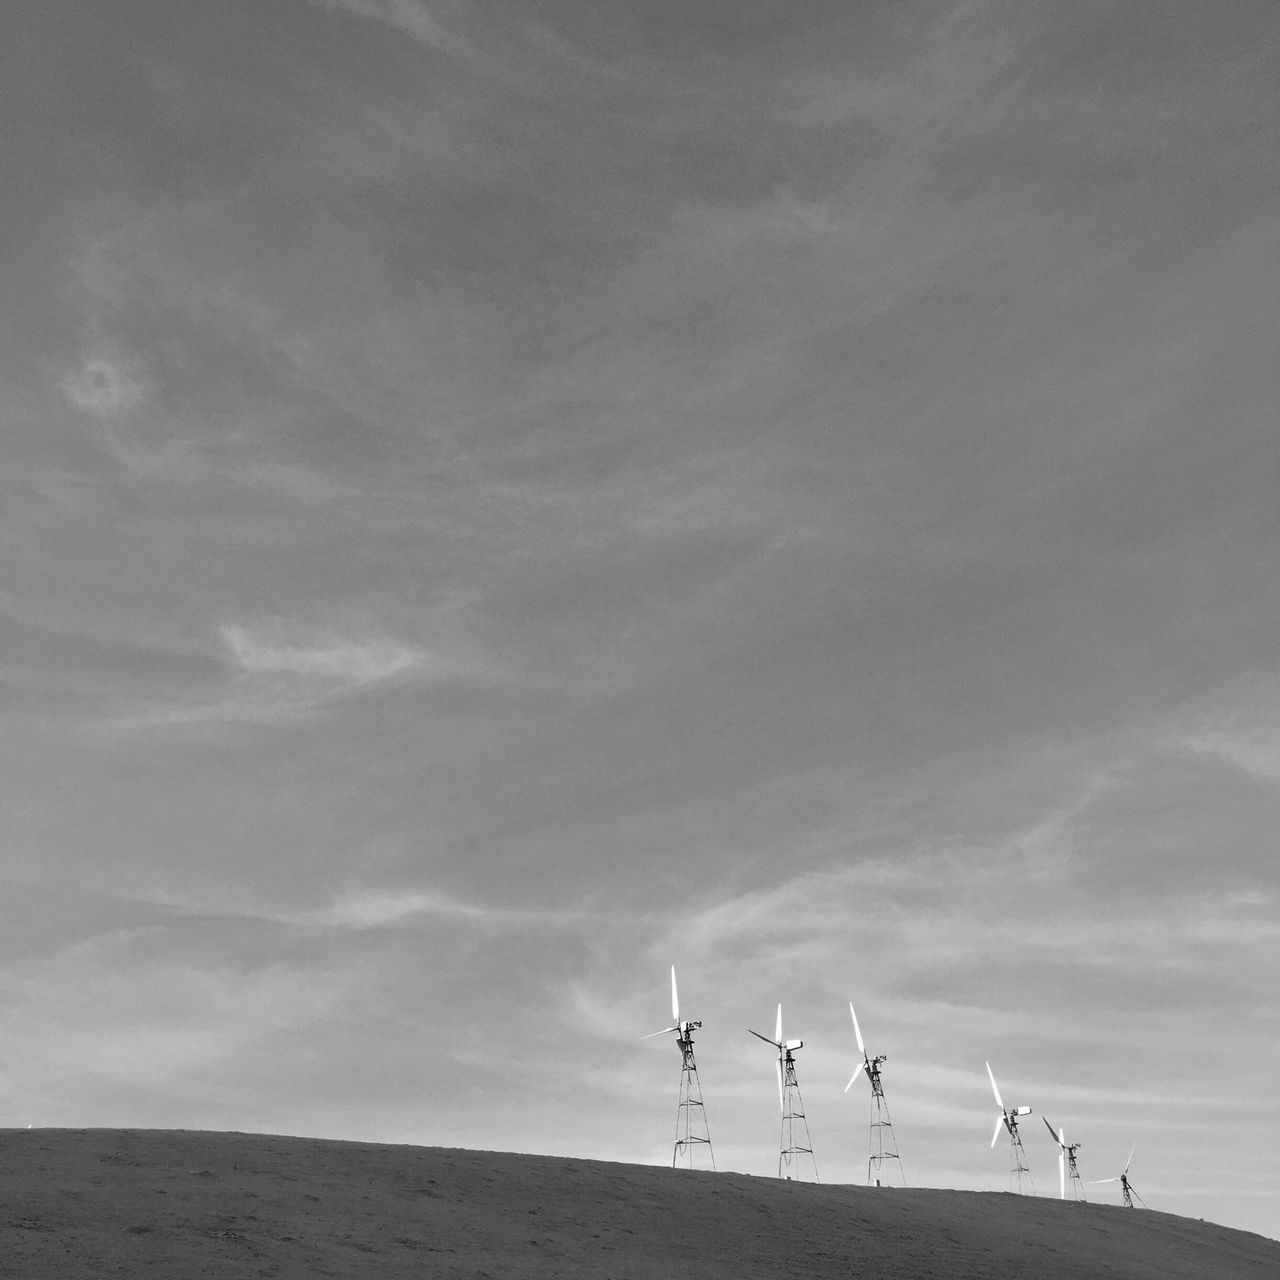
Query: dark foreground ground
[[138, 1203]]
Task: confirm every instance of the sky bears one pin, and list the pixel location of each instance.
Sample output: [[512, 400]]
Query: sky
[[501, 497]]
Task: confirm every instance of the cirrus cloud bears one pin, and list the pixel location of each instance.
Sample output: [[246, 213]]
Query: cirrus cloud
[[320, 658], [281, 673]]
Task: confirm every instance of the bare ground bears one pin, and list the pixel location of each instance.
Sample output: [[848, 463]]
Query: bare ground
[[141, 1203]]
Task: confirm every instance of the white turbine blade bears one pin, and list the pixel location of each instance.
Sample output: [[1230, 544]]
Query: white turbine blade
[[996, 1134], [1097, 1182], [1129, 1161], [999, 1102], [781, 1106], [778, 1037], [862, 1066], [1062, 1171], [857, 1031], [663, 1032], [675, 1000], [1053, 1135]]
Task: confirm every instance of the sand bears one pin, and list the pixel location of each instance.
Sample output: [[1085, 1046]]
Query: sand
[[142, 1203]]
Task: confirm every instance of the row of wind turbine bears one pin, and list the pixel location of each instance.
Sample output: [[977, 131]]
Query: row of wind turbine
[[795, 1145], [1068, 1170]]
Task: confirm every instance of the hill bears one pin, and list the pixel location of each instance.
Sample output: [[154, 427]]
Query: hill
[[139, 1203]]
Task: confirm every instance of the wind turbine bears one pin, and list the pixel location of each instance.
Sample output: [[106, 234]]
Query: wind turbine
[[1009, 1118], [691, 1117], [1125, 1185], [795, 1140], [881, 1145], [1066, 1161]]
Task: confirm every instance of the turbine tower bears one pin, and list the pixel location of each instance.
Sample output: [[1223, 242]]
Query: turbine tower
[[881, 1144], [1017, 1157], [1126, 1186], [795, 1141], [692, 1133], [1066, 1163]]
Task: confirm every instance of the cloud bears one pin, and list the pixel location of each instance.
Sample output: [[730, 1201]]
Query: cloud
[[416, 20], [106, 385], [952, 916], [513, 51], [405, 15], [336, 662], [1241, 731], [282, 672], [358, 908], [139, 1007], [1253, 749], [375, 909]]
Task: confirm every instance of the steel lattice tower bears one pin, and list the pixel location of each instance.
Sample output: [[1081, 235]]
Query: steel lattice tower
[[795, 1142], [1018, 1159], [692, 1133], [1068, 1170], [881, 1144], [1073, 1175]]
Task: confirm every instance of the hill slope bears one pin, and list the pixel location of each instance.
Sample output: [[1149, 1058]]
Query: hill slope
[[95, 1203]]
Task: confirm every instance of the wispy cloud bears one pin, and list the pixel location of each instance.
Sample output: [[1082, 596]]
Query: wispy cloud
[[143, 1011], [358, 907], [1252, 748], [455, 30], [413, 18], [1242, 730], [373, 909], [953, 916], [323, 660], [282, 672], [106, 384]]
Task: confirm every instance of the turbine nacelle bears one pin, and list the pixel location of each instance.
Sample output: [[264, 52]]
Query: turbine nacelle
[[788, 1045]]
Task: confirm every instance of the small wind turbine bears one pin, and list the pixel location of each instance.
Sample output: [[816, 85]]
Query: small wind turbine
[[1009, 1118], [881, 1145], [691, 1116], [1066, 1161], [795, 1140], [1125, 1185]]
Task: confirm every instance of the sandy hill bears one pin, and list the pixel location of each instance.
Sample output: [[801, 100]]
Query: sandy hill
[[100, 1202]]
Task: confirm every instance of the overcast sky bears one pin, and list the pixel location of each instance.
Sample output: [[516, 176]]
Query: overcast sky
[[500, 497]]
